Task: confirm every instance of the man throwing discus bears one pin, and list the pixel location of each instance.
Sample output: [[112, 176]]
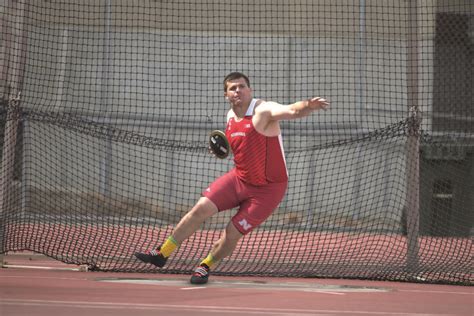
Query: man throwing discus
[[257, 183]]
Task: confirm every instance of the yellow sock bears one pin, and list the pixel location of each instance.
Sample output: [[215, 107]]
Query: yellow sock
[[168, 246], [209, 261]]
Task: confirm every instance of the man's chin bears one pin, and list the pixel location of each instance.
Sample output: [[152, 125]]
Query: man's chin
[[238, 102]]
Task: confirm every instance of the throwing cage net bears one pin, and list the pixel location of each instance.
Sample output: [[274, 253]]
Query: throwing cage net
[[106, 107]]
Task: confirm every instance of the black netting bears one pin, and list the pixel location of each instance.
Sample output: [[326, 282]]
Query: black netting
[[106, 107]]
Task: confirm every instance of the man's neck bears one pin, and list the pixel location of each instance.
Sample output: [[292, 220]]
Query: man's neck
[[241, 110]]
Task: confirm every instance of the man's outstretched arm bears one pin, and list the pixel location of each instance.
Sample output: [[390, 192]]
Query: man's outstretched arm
[[273, 111]]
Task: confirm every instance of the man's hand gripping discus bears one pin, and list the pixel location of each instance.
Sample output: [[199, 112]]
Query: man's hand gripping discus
[[218, 144]]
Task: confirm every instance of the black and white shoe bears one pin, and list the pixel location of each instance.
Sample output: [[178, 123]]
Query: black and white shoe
[[152, 256], [200, 275]]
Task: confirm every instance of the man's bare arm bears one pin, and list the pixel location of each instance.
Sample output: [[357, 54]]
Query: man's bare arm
[[273, 111]]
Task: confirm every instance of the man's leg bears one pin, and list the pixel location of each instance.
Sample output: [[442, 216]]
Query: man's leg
[[191, 222], [227, 243], [254, 210], [187, 226], [221, 249]]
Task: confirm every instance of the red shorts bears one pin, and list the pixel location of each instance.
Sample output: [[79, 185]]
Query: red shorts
[[256, 203]]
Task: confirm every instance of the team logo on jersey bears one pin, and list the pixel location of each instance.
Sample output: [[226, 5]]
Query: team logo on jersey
[[247, 125], [237, 134], [245, 225]]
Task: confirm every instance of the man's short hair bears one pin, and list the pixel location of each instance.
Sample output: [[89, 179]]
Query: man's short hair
[[234, 76]]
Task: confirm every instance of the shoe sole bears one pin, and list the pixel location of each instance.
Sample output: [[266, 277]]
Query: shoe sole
[[198, 281], [149, 259]]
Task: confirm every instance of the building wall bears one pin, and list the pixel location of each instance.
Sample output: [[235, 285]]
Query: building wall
[[147, 68]]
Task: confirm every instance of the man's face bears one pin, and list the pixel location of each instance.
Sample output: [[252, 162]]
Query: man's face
[[238, 92]]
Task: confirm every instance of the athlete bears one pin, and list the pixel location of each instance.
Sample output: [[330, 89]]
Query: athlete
[[256, 184]]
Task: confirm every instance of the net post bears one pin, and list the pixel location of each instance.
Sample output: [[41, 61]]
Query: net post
[[413, 141], [15, 44], [106, 164], [8, 164], [413, 190]]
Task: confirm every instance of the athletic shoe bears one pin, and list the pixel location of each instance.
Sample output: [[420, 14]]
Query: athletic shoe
[[200, 275], [152, 256]]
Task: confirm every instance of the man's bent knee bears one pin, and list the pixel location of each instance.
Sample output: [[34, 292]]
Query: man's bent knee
[[204, 208], [232, 233]]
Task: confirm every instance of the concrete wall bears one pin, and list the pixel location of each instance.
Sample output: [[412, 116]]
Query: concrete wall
[[171, 53], [151, 65]]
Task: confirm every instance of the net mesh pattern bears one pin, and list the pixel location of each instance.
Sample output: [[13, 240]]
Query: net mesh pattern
[[106, 107]]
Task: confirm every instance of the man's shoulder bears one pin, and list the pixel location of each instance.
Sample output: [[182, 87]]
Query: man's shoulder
[[230, 114], [263, 105]]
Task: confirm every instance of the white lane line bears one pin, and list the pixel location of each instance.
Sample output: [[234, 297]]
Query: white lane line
[[41, 277], [326, 292], [79, 269], [195, 308], [336, 290], [437, 292]]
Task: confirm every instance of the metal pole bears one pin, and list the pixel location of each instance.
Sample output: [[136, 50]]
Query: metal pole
[[16, 44], [413, 142], [361, 56], [107, 160]]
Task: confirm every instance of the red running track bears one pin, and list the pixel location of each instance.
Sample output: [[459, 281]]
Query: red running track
[[34, 287]]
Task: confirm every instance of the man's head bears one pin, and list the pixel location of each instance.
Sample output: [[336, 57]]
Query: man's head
[[237, 89], [234, 76]]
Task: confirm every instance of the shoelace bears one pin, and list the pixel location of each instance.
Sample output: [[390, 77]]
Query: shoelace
[[153, 252], [201, 271]]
